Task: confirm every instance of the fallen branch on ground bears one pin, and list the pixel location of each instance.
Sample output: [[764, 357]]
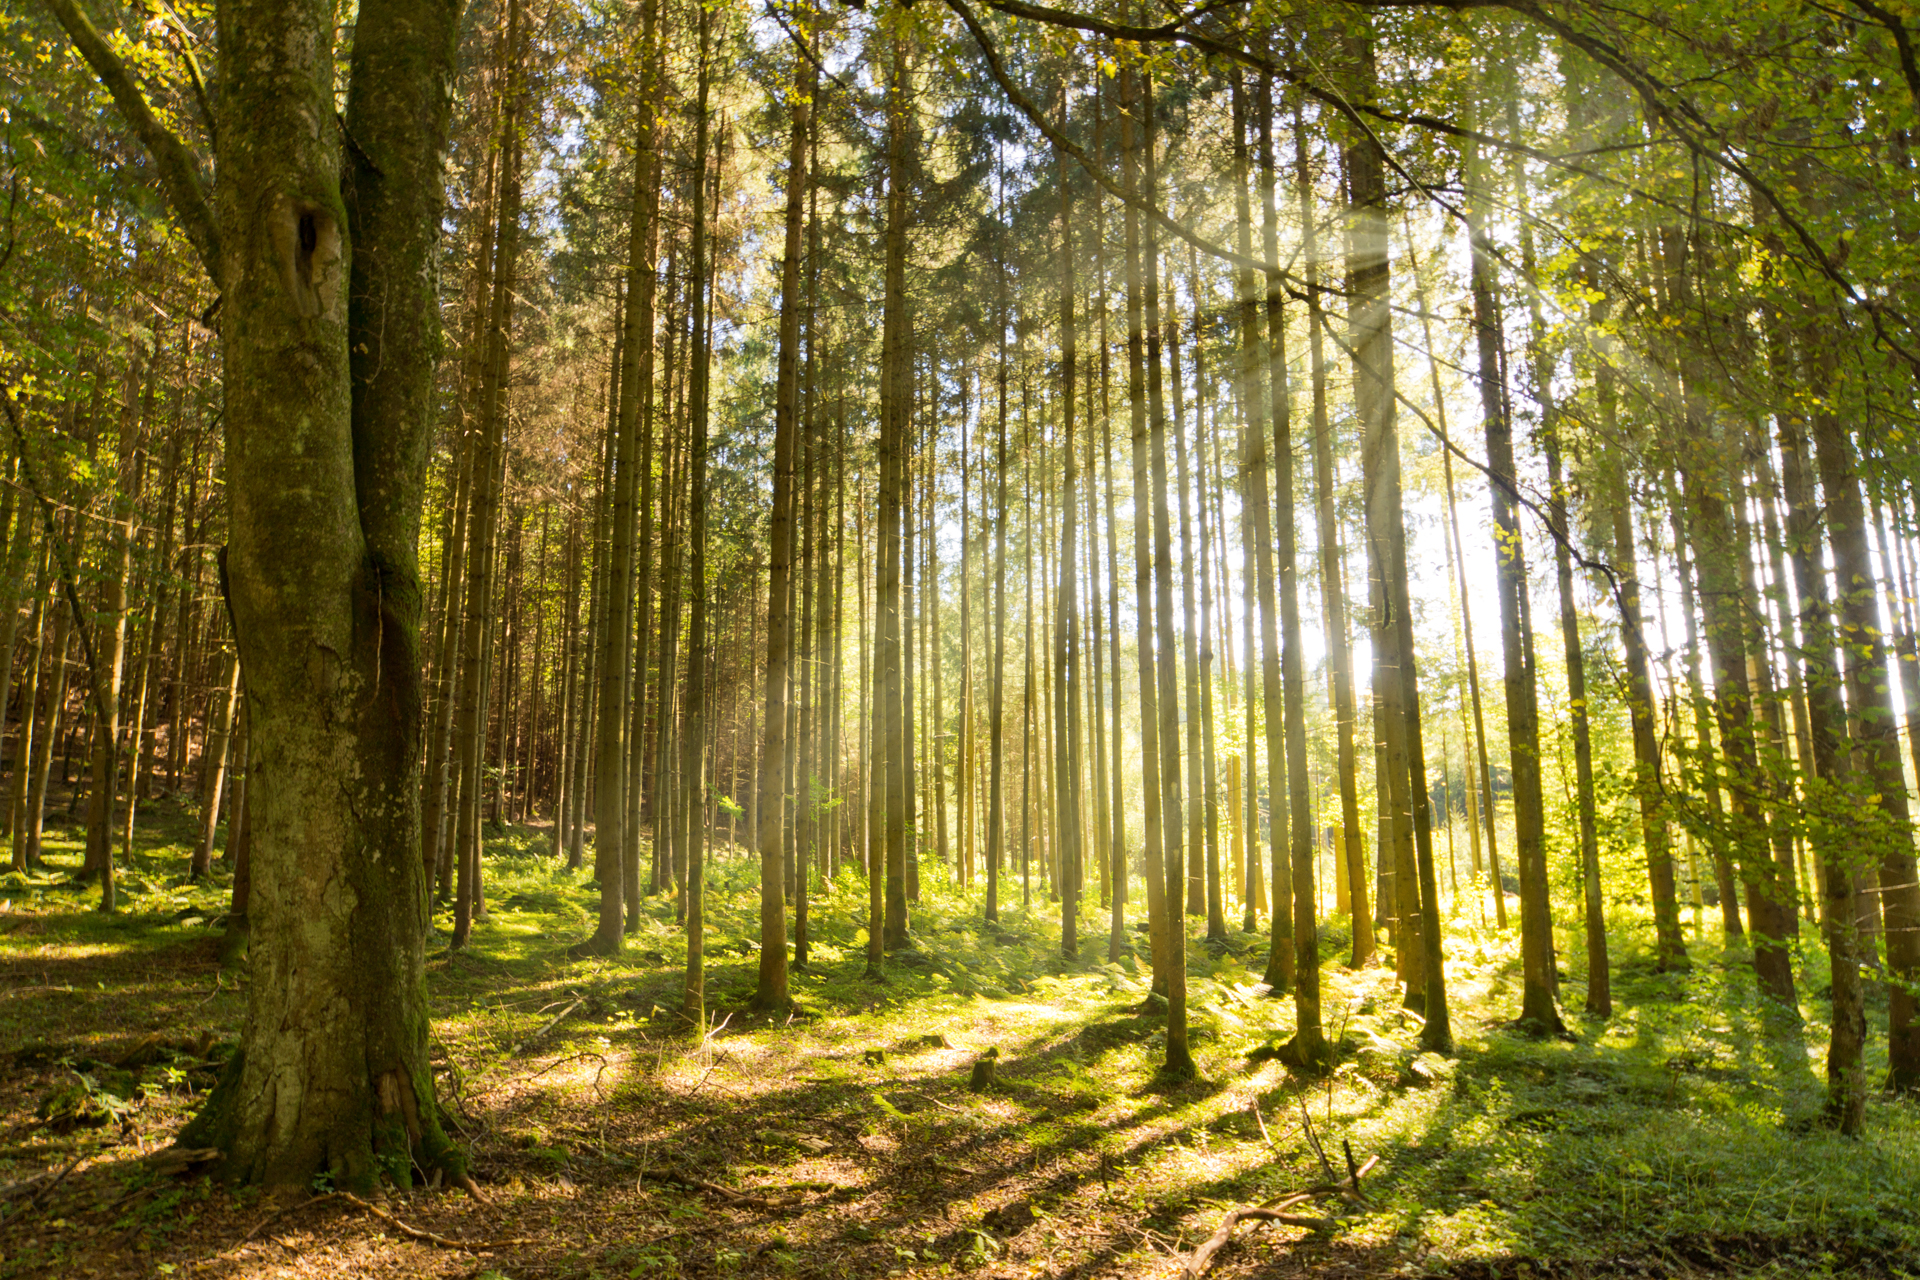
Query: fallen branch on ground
[[572, 1057], [42, 1185], [412, 1233], [28, 1151], [1274, 1210], [540, 1035]]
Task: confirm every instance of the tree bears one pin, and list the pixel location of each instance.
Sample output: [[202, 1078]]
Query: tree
[[317, 246]]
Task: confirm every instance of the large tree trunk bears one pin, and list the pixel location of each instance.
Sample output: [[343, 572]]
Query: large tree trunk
[[332, 1074]]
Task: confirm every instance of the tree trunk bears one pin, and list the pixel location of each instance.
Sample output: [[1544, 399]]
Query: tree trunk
[[1537, 1004], [1828, 789], [1179, 1061], [1281, 953], [332, 1074], [1670, 947], [1158, 908], [1066, 631], [470, 728], [1333, 593], [1877, 741], [1599, 999], [693, 730], [771, 992], [1309, 1044]]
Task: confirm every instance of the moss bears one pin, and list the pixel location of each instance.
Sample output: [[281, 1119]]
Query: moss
[[215, 1126]]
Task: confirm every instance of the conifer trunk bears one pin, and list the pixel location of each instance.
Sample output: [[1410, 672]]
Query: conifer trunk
[[693, 730], [1333, 594], [1537, 1004]]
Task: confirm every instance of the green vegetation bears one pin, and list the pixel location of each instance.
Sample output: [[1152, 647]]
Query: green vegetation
[[1658, 1139], [1043, 637]]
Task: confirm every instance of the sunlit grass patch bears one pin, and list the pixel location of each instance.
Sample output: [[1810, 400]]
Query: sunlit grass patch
[[1682, 1120]]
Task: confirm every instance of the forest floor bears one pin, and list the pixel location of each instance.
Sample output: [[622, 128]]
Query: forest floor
[[1677, 1138]]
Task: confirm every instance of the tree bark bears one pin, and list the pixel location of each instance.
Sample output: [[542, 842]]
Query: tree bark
[[1333, 592], [1309, 1047], [693, 730], [1537, 1003]]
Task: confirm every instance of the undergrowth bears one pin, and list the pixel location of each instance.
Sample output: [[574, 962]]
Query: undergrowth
[[1685, 1123]]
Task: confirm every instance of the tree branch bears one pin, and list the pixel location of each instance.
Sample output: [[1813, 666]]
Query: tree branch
[[1038, 119], [178, 175]]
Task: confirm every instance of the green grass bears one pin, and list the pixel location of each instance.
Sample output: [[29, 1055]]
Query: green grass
[[1680, 1132]]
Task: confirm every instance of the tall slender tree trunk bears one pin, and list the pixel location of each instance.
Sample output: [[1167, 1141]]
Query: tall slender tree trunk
[[771, 992], [1333, 593], [997, 752], [1309, 1044], [1877, 740], [1537, 1004], [1367, 277], [1599, 999], [1066, 630], [1159, 909], [470, 728], [693, 730], [1281, 954], [896, 390], [1828, 788], [1179, 1060], [1670, 947], [644, 291]]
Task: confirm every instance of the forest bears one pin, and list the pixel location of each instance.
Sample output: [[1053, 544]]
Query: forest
[[1013, 637]]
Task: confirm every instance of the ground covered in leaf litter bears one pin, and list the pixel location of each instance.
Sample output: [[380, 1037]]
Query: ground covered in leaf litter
[[844, 1140]]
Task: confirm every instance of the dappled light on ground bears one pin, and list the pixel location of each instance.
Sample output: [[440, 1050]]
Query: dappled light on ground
[[843, 1139]]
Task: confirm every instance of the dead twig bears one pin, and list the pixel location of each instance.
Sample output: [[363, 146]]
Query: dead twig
[[1313, 1140], [944, 1106], [539, 1035], [1197, 1264], [1264, 1135], [43, 1186], [561, 1062], [1274, 1210], [412, 1233]]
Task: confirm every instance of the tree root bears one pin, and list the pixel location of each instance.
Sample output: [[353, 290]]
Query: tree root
[[412, 1233], [1274, 1210]]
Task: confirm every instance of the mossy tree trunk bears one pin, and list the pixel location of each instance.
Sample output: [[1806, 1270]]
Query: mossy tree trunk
[[327, 259]]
